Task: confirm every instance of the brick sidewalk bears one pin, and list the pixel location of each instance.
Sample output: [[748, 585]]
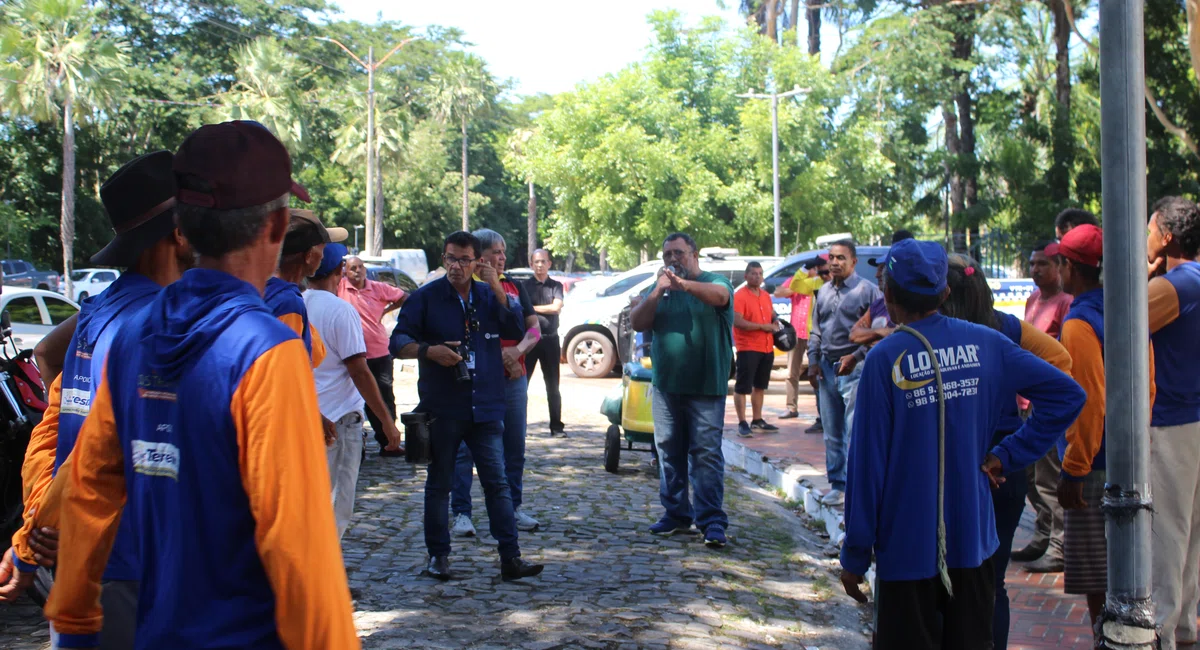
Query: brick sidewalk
[[1042, 615]]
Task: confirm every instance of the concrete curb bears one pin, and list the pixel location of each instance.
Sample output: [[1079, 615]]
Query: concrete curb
[[800, 482]]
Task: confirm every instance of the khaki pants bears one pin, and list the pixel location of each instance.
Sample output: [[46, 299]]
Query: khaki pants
[[1043, 496], [345, 458], [1175, 538], [797, 370]]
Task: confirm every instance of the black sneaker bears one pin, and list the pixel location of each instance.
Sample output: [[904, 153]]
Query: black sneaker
[[516, 568], [816, 427], [744, 430], [762, 426]]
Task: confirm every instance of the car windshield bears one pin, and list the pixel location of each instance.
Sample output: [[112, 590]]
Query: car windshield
[[78, 276]]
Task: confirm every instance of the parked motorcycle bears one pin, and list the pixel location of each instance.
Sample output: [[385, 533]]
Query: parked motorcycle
[[22, 402]]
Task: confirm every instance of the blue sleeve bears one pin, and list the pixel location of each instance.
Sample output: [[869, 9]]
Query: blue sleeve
[[410, 324], [1056, 399], [867, 465], [512, 323]]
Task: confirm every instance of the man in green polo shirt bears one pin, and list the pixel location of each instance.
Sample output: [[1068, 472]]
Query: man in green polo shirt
[[690, 313]]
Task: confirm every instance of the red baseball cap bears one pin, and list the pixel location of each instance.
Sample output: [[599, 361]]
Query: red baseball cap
[[1083, 244], [234, 165]]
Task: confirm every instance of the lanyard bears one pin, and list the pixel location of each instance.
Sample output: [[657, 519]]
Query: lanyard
[[468, 308]]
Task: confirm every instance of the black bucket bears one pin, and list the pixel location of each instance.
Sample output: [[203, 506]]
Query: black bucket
[[417, 446]]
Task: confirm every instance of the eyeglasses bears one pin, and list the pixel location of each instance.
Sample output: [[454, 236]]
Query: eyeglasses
[[463, 262], [824, 273], [674, 253]]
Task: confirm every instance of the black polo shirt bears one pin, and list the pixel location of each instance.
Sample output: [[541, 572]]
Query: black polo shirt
[[544, 293]]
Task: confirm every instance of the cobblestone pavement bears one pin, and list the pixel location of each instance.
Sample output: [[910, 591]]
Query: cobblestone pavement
[[607, 584]]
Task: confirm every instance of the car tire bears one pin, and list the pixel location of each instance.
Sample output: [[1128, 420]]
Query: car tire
[[591, 355]]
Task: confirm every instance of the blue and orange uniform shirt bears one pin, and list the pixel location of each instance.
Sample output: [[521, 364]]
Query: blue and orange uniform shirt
[[1034, 341], [1175, 330], [51, 442], [206, 420], [892, 484], [287, 304], [1082, 449]]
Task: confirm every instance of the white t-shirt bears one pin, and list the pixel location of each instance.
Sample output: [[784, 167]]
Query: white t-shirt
[[340, 329]]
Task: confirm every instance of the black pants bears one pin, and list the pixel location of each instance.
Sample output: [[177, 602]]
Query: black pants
[[381, 369], [547, 351], [920, 615]]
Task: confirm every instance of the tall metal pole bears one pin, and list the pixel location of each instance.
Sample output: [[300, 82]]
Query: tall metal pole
[[774, 97], [775, 162], [370, 220], [1128, 619]]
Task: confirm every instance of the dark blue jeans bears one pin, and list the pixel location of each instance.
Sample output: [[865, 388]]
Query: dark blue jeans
[[484, 441], [1008, 502], [687, 433], [516, 399]]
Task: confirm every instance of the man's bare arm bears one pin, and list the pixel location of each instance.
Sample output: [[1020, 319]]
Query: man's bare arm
[[551, 309], [709, 293], [51, 352]]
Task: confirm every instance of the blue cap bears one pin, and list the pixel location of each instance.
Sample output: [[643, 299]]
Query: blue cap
[[917, 266], [333, 259]]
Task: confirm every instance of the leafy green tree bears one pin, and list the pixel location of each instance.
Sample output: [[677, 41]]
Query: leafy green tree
[[59, 67]]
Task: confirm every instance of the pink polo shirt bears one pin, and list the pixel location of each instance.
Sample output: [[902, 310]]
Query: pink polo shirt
[[369, 302]]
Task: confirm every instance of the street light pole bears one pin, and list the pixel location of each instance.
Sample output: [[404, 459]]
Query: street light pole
[[1128, 618], [774, 97], [374, 232], [370, 218], [357, 228]]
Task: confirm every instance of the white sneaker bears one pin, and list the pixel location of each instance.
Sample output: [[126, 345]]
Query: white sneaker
[[834, 498], [524, 521], [462, 527]]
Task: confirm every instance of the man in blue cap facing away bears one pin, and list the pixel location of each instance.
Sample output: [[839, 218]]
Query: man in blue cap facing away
[[920, 473], [344, 381]]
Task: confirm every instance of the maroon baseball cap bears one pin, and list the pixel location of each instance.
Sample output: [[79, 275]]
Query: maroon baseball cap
[[1083, 244], [234, 165]]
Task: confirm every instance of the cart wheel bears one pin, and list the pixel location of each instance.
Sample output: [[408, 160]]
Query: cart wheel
[[612, 448]]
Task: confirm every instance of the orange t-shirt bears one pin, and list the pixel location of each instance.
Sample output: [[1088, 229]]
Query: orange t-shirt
[[756, 309]]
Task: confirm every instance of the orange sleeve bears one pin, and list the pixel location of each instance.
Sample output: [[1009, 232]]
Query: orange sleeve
[[1045, 347], [1087, 368], [318, 346], [294, 321], [93, 494], [38, 469], [286, 477], [1164, 303]]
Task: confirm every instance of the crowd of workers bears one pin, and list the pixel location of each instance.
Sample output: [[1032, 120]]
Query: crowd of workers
[[198, 464]]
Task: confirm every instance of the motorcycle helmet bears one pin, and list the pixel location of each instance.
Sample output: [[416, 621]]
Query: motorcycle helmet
[[785, 337]]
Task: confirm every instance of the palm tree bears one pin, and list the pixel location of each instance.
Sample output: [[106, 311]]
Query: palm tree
[[518, 144], [266, 90], [392, 119], [58, 64], [461, 89]]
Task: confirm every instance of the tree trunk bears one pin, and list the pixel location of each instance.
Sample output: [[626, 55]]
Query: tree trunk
[[773, 20], [604, 260], [377, 236], [1062, 138], [532, 223], [68, 194], [465, 225], [814, 26], [569, 267], [953, 152]]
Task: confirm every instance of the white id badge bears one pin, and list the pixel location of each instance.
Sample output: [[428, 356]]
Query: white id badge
[[471, 360]]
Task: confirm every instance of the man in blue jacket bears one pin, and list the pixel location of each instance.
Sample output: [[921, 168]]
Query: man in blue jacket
[[916, 497], [453, 327]]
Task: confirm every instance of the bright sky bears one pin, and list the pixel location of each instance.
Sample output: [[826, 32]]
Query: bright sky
[[549, 46]]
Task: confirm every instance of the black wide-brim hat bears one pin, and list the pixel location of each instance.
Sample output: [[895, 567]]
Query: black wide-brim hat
[[140, 202]]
